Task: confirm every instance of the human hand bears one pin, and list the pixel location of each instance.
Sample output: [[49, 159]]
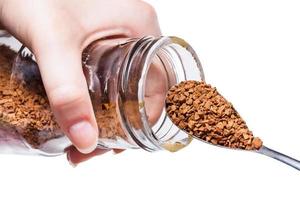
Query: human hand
[[57, 31]]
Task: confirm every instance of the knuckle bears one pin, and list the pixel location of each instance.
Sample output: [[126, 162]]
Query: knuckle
[[148, 11]]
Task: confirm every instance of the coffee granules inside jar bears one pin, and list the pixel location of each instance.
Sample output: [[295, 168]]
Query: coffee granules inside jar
[[25, 109], [201, 111]]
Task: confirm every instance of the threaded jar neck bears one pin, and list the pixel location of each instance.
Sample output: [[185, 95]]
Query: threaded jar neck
[[150, 68]]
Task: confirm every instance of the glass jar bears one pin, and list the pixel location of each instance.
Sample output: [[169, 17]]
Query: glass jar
[[127, 79]]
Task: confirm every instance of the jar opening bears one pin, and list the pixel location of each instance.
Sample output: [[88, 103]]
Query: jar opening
[[169, 61]]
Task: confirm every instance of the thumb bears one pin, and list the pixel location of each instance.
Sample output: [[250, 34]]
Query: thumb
[[66, 88]]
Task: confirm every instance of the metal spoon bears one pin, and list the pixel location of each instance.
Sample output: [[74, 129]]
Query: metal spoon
[[263, 150], [279, 156], [267, 152]]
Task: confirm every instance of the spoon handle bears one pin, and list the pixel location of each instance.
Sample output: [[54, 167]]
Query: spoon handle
[[279, 156]]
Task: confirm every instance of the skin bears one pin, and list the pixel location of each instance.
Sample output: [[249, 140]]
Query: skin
[[57, 31]]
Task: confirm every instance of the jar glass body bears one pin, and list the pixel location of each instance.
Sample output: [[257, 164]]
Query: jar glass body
[[128, 80]]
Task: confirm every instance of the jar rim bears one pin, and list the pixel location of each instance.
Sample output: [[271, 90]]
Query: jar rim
[[154, 48]]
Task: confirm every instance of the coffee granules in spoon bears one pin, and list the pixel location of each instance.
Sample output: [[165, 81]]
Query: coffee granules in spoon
[[198, 109]]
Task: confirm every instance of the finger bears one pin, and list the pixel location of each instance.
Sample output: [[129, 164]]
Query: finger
[[147, 22], [66, 88], [75, 157], [128, 25], [155, 90]]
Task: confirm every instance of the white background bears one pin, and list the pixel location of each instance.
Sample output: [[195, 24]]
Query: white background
[[250, 50]]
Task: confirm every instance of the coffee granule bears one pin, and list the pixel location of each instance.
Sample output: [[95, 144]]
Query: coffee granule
[[198, 109]]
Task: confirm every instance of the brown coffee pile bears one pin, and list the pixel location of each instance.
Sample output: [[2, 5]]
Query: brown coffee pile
[[24, 108], [21, 108], [201, 111]]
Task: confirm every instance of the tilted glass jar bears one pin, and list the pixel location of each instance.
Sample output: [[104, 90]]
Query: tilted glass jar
[[128, 80]]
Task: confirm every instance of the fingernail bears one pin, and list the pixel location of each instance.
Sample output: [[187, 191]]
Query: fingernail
[[84, 136]]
